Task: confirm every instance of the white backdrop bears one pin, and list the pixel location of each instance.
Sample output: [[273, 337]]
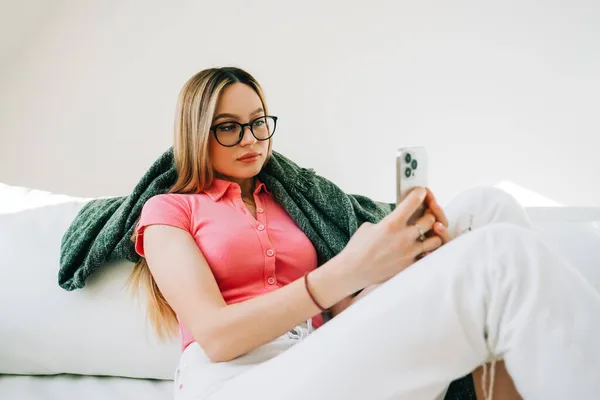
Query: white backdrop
[[496, 91]]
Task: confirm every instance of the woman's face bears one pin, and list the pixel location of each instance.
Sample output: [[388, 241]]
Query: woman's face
[[240, 103]]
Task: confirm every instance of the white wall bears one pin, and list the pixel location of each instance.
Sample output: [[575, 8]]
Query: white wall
[[501, 91]]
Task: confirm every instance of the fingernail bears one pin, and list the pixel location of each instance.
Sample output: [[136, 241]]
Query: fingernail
[[440, 225]]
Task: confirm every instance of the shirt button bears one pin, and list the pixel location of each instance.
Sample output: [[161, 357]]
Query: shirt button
[[270, 252], [271, 280], [259, 210], [261, 228]]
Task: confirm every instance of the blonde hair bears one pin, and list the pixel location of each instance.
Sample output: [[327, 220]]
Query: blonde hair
[[194, 115]]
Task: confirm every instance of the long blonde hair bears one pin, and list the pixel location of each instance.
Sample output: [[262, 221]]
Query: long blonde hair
[[194, 115]]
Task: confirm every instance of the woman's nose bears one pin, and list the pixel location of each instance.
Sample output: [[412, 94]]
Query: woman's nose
[[247, 136]]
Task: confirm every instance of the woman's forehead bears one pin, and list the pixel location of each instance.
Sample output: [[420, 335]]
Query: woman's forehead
[[238, 99]]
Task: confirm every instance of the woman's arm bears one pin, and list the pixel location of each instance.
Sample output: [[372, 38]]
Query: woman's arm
[[229, 331], [349, 300]]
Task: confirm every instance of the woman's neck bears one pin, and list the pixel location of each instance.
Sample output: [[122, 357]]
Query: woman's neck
[[247, 186]]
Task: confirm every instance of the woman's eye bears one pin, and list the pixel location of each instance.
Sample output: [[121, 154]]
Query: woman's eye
[[260, 122], [226, 128]]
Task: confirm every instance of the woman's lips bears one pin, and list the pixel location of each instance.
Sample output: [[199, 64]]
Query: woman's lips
[[249, 159]]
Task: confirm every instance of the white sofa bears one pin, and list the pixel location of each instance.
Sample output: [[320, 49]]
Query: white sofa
[[95, 343]]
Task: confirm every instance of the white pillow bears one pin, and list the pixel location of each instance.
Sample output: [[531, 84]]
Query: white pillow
[[574, 234], [16, 198], [98, 330], [578, 244], [542, 216]]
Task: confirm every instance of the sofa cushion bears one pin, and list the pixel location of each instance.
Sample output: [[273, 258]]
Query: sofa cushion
[[577, 243], [98, 330], [101, 329]]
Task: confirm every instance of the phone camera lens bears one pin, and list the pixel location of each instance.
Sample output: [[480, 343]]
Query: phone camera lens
[[414, 164], [407, 158], [407, 172]]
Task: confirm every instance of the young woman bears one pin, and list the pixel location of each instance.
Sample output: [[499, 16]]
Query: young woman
[[226, 266]]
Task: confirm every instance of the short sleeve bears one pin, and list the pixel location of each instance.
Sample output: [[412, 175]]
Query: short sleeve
[[164, 209]]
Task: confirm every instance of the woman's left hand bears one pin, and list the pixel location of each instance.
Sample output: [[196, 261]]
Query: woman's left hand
[[440, 227]]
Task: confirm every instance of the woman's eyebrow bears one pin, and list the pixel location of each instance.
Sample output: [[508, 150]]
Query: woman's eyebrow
[[257, 111], [226, 115]]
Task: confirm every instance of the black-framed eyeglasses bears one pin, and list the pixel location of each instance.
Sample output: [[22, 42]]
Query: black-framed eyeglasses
[[230, 133]]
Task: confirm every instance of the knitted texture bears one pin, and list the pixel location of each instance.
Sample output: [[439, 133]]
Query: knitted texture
[[101, 231]]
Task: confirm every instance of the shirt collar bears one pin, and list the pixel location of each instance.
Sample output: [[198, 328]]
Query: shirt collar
[[221, 187]]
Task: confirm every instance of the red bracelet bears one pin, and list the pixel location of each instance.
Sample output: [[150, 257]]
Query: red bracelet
[[311, 295]]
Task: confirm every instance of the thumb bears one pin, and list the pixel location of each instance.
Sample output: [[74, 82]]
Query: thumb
[[407, 207]]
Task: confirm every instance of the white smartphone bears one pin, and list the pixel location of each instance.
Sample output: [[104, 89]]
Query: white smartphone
[[411, 172]]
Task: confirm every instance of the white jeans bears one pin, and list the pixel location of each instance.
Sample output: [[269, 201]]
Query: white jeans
[[494, 292]]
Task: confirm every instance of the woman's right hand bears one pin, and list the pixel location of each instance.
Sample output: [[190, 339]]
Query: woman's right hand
[[376, 252]]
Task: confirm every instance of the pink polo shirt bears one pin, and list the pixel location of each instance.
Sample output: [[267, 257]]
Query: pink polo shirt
[[248, 256]]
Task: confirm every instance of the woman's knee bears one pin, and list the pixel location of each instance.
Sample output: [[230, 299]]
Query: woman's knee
[[506, 236], [507, 246], [493, 197], [481, 206]]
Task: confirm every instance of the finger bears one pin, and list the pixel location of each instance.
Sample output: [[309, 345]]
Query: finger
[[428, 211], [426, 246], [423, 225], [435, 208], [406, 208], [442, 232]]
